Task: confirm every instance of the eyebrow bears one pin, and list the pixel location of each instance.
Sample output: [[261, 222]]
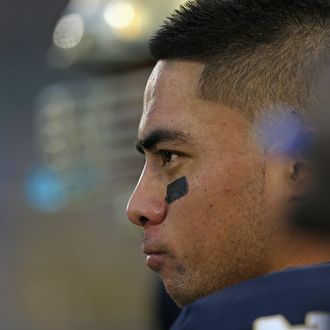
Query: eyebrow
[[157, 136]]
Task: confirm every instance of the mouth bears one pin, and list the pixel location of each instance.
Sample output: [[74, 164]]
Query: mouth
[[155, 261], [149, 252], [152, 248], [155, 258]]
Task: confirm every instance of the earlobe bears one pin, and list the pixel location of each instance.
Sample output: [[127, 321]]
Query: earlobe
[[301, 177]]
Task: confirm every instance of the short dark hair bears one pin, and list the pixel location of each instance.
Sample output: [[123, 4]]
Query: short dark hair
[[256, 52]]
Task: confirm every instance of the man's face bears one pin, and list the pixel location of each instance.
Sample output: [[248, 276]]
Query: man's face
[[216, 234]]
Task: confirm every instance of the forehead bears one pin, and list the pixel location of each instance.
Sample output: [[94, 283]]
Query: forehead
[[180, 77], [172, 102], [171, 89]]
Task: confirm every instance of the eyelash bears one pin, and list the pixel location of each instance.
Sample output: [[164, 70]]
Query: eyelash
[[164, 154]]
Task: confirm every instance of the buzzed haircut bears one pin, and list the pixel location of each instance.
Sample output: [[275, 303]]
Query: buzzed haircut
[[257, 53]]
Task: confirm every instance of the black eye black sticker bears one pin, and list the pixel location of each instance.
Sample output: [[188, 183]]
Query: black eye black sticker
[[176, 190]]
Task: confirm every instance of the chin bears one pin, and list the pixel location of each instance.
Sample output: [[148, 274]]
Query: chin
[[182, 291]]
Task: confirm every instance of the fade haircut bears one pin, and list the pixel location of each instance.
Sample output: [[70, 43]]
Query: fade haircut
[[257, 53]]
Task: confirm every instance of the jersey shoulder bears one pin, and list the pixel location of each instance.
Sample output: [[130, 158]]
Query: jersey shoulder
[[288, 298]]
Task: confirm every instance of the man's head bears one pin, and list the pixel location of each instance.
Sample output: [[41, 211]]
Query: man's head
[[256, 53], [221, 65]]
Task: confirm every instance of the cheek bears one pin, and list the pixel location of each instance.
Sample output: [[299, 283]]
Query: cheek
[[208, 193], [192, 220], [214, 206], [176, 190]]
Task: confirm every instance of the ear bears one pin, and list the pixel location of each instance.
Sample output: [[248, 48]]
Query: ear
[[300, 167], [289, 171], [301, 177]]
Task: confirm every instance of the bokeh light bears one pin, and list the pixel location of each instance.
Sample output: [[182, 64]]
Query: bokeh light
[[120, 15], [45, 191], [69, 31]]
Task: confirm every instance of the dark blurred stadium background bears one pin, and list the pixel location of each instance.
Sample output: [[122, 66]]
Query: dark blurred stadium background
[[72, 75]]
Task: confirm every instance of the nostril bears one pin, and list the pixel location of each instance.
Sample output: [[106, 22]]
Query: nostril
[[143, 220]]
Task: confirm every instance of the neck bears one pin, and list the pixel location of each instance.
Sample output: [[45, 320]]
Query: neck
[[301, 250]]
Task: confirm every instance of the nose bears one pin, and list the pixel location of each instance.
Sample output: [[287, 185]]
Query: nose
[[147, 203]]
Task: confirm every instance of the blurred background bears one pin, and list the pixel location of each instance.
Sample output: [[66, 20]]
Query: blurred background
[[72, 75]]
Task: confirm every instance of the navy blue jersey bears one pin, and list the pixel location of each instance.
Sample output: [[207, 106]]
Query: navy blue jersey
[[276, 301]]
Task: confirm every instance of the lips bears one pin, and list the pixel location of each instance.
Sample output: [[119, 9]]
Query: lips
[[149, 251], [155, 257], [156, 261], [153, 252]]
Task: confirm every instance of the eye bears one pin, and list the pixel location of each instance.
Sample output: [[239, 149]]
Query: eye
[[167, 156]]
